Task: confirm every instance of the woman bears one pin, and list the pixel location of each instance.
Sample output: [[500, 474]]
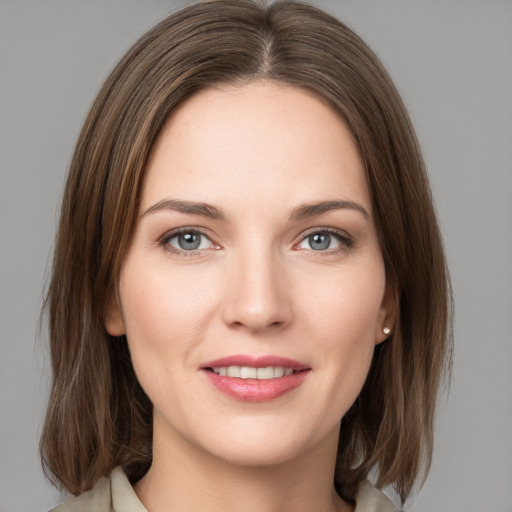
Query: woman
[[249, 303]]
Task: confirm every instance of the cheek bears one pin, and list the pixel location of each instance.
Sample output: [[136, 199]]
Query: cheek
[[343, 317], [165, 314], [346, 304], [158, 303]]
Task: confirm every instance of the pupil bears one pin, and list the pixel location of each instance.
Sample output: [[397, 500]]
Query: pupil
[[189, 241], [319, 241]]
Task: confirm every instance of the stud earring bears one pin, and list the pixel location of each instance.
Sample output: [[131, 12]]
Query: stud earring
[[386, 331]]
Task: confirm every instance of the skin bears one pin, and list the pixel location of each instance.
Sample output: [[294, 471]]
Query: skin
[[254, 286]]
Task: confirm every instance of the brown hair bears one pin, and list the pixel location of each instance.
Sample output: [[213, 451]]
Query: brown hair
[[98, 416]]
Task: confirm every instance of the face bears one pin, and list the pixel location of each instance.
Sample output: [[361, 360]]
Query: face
[[254, 290]]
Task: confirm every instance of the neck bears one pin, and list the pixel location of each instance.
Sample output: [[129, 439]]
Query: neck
[[184, 477]]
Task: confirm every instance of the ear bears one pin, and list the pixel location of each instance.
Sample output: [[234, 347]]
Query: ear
[[114, 321], [387, 313]]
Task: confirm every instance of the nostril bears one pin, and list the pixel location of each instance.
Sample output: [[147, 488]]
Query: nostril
[[256, 306]]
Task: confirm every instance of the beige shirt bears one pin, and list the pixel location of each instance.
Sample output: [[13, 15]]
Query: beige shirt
[[115, 494]]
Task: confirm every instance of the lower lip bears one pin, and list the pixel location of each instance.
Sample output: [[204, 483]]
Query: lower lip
[[254, 390]]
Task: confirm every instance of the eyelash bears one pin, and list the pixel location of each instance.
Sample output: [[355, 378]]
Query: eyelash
[[164, 241], [345, 240]]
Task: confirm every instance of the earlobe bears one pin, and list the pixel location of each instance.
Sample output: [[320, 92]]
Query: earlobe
[[114, 322], [387, 315]]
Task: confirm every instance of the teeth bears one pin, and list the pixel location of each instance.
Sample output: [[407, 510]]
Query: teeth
[[279, 372], [233, 371], [248, 372], [266, 373]]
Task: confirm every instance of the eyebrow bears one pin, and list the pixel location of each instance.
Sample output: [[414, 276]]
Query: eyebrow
[[302, 211], [188, 207], [312, 209]]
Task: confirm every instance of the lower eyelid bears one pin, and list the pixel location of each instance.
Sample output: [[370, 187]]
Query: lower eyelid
[[199, 248], [164, 241], [345, 240]]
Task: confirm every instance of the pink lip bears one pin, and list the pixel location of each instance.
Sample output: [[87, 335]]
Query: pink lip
[[254, 390], [256, 362]]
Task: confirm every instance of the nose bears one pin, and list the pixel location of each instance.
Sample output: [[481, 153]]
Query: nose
[[258, 295]]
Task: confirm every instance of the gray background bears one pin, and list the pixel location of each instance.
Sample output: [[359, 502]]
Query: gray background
[[452, 62]]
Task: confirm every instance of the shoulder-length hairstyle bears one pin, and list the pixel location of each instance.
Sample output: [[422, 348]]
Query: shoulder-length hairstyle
[[98, 416]]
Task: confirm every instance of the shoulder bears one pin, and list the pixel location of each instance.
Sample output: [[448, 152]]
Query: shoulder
[[113, 494], [370, 499], [98, 499]]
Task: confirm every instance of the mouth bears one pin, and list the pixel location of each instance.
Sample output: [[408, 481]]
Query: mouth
[[250, 372], [261, 379]]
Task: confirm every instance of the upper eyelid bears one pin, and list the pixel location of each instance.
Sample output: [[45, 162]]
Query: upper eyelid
[[333, 231], [342, 234], [345, 240], [166, 237], [186, 229]]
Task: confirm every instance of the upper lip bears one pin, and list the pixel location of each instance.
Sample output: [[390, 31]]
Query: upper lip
[[256, 362]]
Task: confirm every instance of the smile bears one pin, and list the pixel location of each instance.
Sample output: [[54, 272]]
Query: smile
[[250, 372], [255, 379]]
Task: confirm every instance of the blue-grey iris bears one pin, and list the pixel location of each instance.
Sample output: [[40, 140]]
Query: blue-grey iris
[[319, 241], [189, 241]]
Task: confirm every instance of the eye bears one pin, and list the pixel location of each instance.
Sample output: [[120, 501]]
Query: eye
[[325, 241], [187, 240]]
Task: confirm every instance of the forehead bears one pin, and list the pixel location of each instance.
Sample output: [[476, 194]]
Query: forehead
[[261, 141]]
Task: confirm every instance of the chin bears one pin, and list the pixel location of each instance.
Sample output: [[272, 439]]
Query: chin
[[262, 442], [258, 454]]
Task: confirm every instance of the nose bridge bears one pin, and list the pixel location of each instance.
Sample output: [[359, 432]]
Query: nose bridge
[[257, 293]]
